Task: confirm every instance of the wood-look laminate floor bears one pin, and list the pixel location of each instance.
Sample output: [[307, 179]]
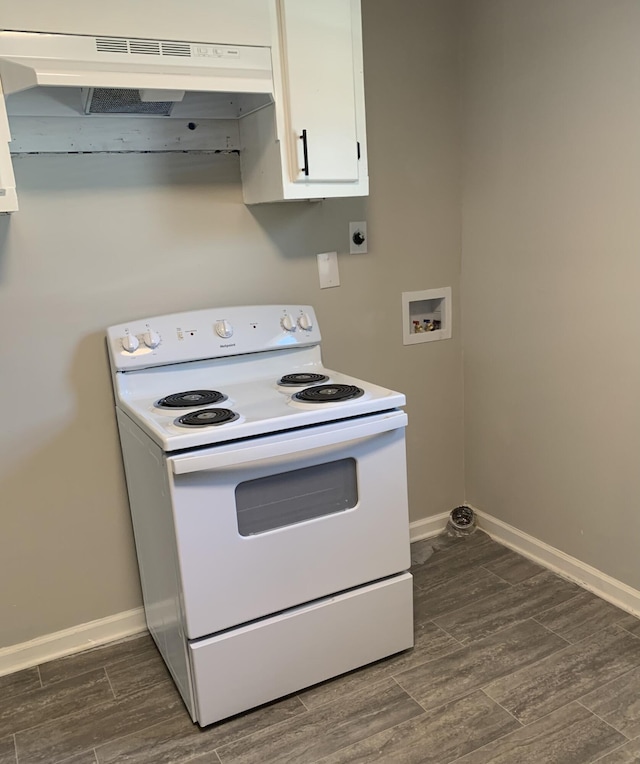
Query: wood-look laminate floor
[[512, 664]]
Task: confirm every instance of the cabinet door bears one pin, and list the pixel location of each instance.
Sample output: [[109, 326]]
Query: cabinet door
[[317, 49]]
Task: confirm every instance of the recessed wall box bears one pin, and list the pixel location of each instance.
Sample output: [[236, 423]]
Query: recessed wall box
[[426, 315]]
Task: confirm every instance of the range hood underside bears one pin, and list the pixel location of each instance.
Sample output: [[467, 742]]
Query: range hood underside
[[47, 84], [53, 120]]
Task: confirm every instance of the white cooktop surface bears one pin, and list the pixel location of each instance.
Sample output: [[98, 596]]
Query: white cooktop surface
[[251, 386]]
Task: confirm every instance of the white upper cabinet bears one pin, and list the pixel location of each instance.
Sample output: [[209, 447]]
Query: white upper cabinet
[[319, 90], [311, 143]]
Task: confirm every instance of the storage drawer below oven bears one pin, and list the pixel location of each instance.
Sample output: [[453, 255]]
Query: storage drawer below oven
[[265, 660]]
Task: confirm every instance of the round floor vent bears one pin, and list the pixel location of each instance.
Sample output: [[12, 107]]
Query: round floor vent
[[462, 521]]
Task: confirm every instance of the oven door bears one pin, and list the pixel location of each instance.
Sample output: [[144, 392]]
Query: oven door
[[273, 522]]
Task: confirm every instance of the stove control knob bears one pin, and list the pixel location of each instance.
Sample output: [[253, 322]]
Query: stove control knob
[[151, 339], [130, 343], [223, 329], [287, 323], [304, 322]]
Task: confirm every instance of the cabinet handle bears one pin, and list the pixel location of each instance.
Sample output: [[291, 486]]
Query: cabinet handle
[[305, 152]]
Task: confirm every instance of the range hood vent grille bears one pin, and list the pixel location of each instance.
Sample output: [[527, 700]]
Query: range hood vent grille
[[123, 101], [142, 47], [145, 47], [111, 45], [175, 49]]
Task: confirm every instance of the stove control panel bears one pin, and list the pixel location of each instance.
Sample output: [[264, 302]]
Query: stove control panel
[[210, 333]]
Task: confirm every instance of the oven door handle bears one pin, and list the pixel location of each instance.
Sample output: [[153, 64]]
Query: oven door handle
[[341, 434]]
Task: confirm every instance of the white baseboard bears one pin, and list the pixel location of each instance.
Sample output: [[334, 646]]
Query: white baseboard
[[610, 589], [430, 526], [126, 624], [74, 640], [132, 622]]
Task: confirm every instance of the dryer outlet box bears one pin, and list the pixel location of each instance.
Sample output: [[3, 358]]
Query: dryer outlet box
[[358, 242]]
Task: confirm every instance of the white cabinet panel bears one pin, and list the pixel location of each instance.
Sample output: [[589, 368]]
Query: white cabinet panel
[[234, 22], [317, 57], [8, 198], [319, 88]]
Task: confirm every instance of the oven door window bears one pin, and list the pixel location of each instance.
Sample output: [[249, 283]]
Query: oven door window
[[294, 497]]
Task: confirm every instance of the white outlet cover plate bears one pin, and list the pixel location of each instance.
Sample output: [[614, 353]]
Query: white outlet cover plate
[[358, 249], [328, 270]]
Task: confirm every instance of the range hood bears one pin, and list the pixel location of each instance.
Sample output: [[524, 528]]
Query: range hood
[[120, 76]]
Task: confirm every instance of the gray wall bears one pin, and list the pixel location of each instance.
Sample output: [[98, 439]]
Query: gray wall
[[101, 239], [551, 267]]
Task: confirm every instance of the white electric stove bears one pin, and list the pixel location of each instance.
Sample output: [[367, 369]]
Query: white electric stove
[[269, 503]]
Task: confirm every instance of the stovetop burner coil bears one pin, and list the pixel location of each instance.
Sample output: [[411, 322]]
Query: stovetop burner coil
[[328, 394], [302, 379], [207, 417], [191, 398]]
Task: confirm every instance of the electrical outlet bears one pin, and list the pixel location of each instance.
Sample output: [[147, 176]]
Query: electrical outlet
[[328, 270], [358, 238]]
